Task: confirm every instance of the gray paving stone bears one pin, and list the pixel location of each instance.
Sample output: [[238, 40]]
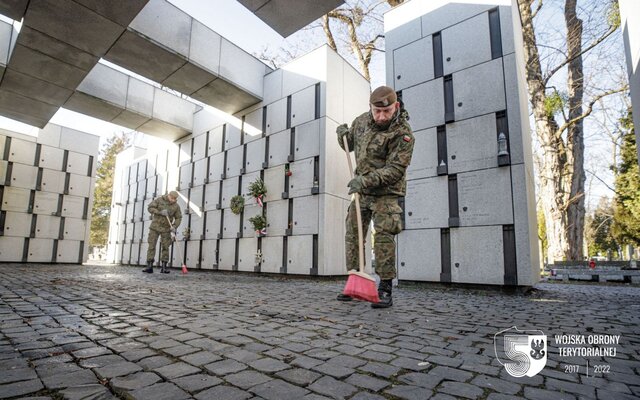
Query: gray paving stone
[[63, 380], [225, 367], [201, 358], [277, 389], [410, 363], [429, 381], [410, 392], [91, 352], [500, 396], [542, 394], [268, 365], [366, 396], [119, 369], [451, 374], [154, 362], [608, 395], [243, 355], [221, 392], [382, 370], [160, 391], [461, 390], [333, 388], [334, 370], [196, 383], [134, 381], [82, 392], [181, 350], [16, 375], [347, 361], [498, 385], [20, 388], [247, 379], [299, 376], [101, 361], [367, 382], [176, 370], [305, 362], [138, 354]]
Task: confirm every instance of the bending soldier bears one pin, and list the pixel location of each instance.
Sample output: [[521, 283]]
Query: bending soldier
[[162, 208]]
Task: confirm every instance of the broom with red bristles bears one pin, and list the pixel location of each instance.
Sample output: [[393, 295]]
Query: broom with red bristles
[[184, 266], [360, 285]]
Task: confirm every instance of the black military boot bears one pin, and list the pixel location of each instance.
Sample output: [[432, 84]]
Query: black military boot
[[149, 268], [343, 297], [165, 269], [384, 292]]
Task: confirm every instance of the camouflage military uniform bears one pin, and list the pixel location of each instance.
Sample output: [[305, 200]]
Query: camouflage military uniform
[[160, 226], [382, 157]]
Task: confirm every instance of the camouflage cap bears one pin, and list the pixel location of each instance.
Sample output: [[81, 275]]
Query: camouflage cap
[[383, 96], [173, 194]]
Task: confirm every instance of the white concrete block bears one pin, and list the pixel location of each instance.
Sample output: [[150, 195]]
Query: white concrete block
[[74, 229], [484, 197], [49, 136], [255, 155], [186, 176], [506, 29], [68, 251], [274, 181], [252, 126], [425, 155], [209, 251], [307, 140], [231, 224], [272, 86], [138, 213], [525, 225], [271, 254], [477, 255], [303, 106], [24, 176], [215, 141], [195, 199], [279, 147], [185, 151], [199, 150], [302, 179], [11, 249], [247, 180], [17, 224], [466, 44], [211, 196], [425, 105], [212, 225], [80, 185], [216, 167], [73, 206], [451, 14], [232, 136], [79, 163], [277, 116], [204, 47], [247, 249], [427, 203], [250, 211], [193, 254], [419, 255], [44, 203], [277, 217], [305, 215], [40, 250], [140, 97], [47, 227], [241, 68], [200, 172], [514, 111], [479, 90], [300, 255], [51, 158], [166, 24], [230, 188], [226, 254], [413, 63], [22, 151], [235, 161], [472, 144], [106, 83]]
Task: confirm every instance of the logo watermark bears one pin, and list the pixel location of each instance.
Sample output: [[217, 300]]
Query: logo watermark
[[521, 352]]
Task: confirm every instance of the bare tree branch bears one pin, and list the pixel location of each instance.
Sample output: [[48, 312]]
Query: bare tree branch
[[589, 109]]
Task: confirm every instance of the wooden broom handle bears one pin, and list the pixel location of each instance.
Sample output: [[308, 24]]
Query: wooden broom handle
[[358, 215]]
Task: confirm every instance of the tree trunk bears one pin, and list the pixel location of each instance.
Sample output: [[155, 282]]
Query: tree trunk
[[575, 131], [554, 158]]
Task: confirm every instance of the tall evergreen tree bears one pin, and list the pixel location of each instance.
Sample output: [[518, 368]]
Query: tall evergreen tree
[[104, 189], [626, 225]]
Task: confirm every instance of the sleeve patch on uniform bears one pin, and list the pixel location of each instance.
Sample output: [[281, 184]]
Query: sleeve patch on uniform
[[406, 138]]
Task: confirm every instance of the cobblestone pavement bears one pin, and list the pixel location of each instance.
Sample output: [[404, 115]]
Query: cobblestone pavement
[[100, 332]]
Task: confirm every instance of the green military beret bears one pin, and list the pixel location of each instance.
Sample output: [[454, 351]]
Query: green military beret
[[383, 96]]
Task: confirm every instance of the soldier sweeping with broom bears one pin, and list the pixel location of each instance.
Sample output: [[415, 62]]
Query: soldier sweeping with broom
[[383, 144], [164, 210]]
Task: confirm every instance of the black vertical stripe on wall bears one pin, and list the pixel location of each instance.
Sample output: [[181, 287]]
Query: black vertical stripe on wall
[[289, 230], [3, 216], [443, 162], [454, 218], [90, 167], [445, 255], [285, 254], [237, 255], [63, 220], [292, 145], [7, 148], [315, 189], [265, 163], [317, 102], [38, 151], [314, 266], [54, 252], [495, 34], [502, 126], [437, 54], [288, 111], [264, 120], [509, 251], [449, 112], [258, 265]]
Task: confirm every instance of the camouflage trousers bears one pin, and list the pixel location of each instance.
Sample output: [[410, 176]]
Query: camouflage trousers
[[387, 222], [165, 242]]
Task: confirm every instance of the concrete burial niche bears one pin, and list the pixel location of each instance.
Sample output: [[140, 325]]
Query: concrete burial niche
[[469, 209], [46, 195], [288, 140]]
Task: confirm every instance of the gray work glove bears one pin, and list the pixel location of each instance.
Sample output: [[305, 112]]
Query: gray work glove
[[356, 185], [164, 213], [341, 131]]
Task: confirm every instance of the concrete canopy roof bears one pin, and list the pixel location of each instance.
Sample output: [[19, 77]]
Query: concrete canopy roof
[[288, 16]]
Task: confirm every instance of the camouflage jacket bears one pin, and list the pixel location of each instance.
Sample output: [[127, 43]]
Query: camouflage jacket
[[382, 156], [159, 222]]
